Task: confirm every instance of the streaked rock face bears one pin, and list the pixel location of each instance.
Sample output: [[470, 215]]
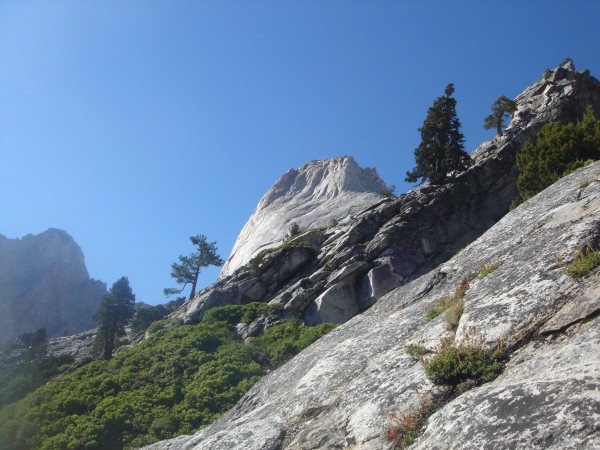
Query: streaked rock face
[[312, 196], [44, 284]]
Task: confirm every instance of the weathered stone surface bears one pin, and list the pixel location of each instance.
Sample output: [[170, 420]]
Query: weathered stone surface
[[44, 283], [338, 393], [313, 196], [80, 346]]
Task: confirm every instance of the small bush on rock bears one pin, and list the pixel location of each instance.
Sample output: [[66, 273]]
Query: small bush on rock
[[460, 367]]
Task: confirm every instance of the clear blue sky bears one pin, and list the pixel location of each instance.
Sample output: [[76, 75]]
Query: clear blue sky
[[133, 125]]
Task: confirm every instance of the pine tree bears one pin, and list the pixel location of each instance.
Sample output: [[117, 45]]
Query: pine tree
[[188, 269], [442, 143], [502, 109], [558, 149], [116, 309]]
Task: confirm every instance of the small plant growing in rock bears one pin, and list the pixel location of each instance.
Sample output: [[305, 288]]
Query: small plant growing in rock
[[456, 369], [406, 428], [441, 306], [388, 191], [452, 306], [585, 261], [293, 231], [469, 364], [487, 269]]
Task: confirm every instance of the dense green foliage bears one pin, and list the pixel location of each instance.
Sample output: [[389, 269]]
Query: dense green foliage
[[32, 367], [464, 366], [441, 150], [188, 269], [180, 379], [502, 109], [145, 316], [115, 311], [557, 150]]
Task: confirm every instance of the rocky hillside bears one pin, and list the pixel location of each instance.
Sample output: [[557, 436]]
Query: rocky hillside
[[329, 275], [44, 283], [317, 194], [381, 273]]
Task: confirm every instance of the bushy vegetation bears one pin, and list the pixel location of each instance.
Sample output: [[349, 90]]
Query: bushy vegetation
[[145, 316], [461, 367], [455, 368], [25, 366], [558, 150], [254, 265], [180, 379]]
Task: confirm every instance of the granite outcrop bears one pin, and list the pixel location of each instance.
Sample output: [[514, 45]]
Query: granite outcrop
[[332, 273], [316, 195]]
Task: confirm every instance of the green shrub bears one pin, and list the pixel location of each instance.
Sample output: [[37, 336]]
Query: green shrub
[[456, 368], [282, 342], [254, 264], [459, 367], [234, 314], [584, 262], [557, 150]]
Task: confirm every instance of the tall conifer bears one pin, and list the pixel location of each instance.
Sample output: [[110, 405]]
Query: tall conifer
[[442, 143]]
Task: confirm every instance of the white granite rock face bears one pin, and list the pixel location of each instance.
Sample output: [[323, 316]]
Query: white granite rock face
[[312, 196]]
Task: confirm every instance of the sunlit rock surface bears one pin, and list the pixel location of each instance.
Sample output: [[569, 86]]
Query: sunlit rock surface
[[317, 194]]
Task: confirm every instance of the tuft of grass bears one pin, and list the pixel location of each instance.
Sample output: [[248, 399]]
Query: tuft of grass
[[585, 261], [586, 183], [416, 350], [487, 269], [452, 305], [454, 313]]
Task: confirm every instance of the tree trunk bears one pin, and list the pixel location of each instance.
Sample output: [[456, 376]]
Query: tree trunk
[[196, 275]]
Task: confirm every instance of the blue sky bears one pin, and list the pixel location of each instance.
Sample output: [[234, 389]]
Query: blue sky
[[136, 124]]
